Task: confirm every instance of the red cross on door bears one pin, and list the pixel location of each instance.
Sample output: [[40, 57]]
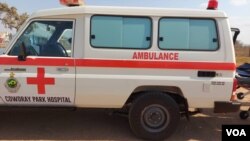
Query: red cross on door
[[40, 81]]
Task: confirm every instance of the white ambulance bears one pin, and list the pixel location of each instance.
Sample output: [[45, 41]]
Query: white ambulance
[[153, 63]]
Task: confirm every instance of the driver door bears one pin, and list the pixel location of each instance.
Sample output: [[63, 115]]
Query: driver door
[[44, 74]]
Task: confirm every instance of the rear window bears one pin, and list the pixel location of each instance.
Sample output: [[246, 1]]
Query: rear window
[[121, 32], [188, 34]]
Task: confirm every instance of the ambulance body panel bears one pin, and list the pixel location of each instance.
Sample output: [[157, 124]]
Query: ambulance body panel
[[132, 11], [111, 80]]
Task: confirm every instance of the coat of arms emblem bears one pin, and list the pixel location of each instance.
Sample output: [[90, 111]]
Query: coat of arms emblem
[[12, 84]]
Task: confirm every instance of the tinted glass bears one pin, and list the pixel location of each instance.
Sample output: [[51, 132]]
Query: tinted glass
[[188, 34], [120, 32]]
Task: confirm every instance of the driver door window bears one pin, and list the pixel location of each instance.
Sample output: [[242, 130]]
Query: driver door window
[[46, 38]]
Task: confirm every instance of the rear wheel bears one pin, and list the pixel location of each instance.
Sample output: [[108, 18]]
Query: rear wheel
[[154, 116]]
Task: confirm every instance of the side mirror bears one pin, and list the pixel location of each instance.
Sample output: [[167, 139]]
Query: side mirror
[[23, 54], [236, 33]]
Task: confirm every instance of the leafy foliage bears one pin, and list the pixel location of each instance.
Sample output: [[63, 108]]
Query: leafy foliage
[[10, 17]]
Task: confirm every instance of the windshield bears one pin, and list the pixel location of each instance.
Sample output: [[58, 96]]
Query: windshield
[[46, 38]]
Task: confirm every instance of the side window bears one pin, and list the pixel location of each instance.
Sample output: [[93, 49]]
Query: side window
[[46, 38], [188, 34], [66, 40], [120, 32]]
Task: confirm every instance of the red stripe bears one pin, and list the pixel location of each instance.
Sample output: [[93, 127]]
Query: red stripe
[[37, 61], [118, 63], [156, 64]]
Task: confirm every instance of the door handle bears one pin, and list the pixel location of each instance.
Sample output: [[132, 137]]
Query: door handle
[[63, 69], [206, 73]]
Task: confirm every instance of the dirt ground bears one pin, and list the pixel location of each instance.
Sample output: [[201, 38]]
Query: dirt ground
[[88, 124], [99, 125]]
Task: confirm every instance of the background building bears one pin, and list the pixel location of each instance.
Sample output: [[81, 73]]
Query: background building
[[4, 38]]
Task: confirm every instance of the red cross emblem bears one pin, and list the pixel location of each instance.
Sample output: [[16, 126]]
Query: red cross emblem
[[40, 81]]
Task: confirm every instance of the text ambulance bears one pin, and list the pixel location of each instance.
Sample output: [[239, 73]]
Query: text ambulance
[[154, 63]]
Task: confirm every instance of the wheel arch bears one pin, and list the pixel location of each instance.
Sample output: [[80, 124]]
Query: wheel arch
[[173, 91]]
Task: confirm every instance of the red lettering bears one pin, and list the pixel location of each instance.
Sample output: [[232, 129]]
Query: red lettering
[[165, 56], [140, 55], [171, 56], [161, 56], [135, 55], [151, 56], [146, 55], [155, 56], [176, 56]]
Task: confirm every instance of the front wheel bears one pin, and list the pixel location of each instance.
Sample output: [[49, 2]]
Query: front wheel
[[154, 116]]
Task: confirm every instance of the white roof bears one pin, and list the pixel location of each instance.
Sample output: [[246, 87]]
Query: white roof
[[133, 11]]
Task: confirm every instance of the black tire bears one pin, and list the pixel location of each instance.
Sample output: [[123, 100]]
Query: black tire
[[244, 115], [154, 116]]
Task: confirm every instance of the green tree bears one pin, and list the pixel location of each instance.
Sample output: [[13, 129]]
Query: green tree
[[10, 17]]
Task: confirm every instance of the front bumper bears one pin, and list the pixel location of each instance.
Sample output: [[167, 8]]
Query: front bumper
[[226, 107]]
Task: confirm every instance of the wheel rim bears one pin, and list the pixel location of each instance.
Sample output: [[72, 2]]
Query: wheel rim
[[155, 118]]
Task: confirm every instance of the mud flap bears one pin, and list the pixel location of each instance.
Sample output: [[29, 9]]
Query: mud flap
[[226, 107]]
